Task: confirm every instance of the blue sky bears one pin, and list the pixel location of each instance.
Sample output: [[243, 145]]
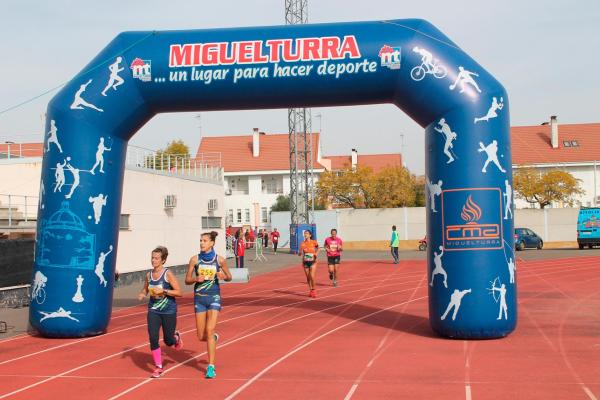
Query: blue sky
[[546, 54]]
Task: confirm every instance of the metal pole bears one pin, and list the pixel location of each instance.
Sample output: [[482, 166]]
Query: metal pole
[[595, 195], [9, 211], [26, 209]]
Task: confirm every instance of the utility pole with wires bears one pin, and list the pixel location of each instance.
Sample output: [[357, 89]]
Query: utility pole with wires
[[300, 139]]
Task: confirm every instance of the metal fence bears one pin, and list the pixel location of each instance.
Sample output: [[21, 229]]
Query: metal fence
[[10, 150], [18, 211], [205, 166]]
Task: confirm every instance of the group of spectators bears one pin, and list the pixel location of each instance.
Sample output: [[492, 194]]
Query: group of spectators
[[243, 239]]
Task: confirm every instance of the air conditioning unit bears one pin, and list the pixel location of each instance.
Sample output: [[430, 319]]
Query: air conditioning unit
[[170, 201], [212, 204]]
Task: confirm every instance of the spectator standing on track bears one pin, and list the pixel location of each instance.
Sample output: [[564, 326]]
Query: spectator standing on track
[[394, 242], [308, 251], [259, 236], [208, 268], [239, 248], [275, 239], [162, 286], [265, 238], [333, 246]]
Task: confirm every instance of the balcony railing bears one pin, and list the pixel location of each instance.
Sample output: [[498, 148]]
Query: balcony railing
[[18, 211], [205, 166]]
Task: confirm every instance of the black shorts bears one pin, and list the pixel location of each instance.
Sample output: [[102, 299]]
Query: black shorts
[[333, 260], [308, 264]]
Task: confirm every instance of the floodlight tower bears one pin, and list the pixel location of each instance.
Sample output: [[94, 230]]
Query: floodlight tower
[[300, 138]]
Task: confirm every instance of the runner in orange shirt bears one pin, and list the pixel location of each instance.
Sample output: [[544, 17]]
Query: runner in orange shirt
[[308, 251]]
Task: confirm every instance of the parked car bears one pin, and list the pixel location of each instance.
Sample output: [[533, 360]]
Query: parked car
[[423, 244], [526, 238], [588, 227]]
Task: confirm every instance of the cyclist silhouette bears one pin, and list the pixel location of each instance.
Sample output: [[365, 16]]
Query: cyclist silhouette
[[37, 291], [429, 65]]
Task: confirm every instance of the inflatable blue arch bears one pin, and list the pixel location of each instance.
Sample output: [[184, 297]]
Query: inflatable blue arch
[[464, 110]]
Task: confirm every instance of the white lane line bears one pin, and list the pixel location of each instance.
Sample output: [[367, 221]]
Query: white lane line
[[249, 335], [351, 392], [192, 330], [297, 349], [380, 348], [144, 324]]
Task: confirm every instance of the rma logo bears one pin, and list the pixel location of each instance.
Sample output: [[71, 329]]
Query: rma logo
[[472, 219]]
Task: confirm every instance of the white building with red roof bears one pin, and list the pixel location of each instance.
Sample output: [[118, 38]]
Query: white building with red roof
[[574, 148], [257, 170]]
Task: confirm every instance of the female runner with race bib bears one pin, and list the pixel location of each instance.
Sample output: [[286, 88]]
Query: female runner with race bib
[[208, 268]]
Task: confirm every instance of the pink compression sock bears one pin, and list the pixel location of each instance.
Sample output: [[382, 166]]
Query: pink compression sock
[[156, 356]]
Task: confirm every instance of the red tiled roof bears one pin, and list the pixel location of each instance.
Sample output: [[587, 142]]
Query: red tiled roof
[[376, 161], [532, 144], [236, 152], [22, 149]]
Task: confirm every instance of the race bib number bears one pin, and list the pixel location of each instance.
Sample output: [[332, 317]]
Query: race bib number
[[152, 289], [333, 247], [309, 257], [208, 272]]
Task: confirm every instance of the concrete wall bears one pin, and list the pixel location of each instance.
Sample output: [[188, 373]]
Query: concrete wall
[[371, 228], [178, 229], [324, 219]]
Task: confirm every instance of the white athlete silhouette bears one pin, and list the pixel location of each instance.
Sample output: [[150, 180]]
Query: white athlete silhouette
[[75, 173], [492, 155], [100, 156], [99, 271], [39, 281], [508, 195], [464, 77], [79, 102], [52, 138], [503, 307], [455, 300], [97, 203], [42, 195], [426, 57], [114, 80], [59, 175], [434, 190], [450, 137], [492, 110], [60, 313], [437, 260], [428, 66], [511, 269]]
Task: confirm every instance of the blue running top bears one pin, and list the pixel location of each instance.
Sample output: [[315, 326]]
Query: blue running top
[[165, 304], [208, 269]]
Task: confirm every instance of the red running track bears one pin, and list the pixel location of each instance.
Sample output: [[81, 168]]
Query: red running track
[[369, 338]]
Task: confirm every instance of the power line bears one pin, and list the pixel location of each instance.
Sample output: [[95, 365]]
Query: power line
[[103, 63]]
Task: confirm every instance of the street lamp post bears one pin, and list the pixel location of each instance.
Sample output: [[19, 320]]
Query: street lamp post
[[8, 142]]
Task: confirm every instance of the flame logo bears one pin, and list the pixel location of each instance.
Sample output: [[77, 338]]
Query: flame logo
[[471, 212]]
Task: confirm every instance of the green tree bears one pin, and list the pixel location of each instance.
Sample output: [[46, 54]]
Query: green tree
[[420, 191], [178, 148], [394, 187], [543, 188], [362, 188], [175, 155], [282, 203]]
